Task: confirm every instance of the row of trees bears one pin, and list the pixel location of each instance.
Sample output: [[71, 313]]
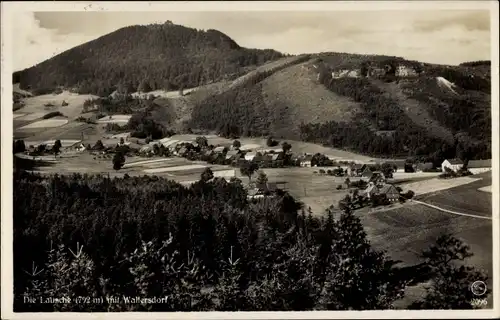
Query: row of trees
[[206, 247]]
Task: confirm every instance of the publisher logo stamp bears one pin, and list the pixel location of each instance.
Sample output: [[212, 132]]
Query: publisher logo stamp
[[478, 288]]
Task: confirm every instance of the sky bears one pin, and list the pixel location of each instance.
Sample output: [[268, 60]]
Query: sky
[[447, 37]]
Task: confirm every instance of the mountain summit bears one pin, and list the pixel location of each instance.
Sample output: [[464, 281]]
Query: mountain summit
[[166, 56]]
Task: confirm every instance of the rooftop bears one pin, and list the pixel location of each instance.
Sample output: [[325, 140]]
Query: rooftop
[[454, 161], [479, 164]]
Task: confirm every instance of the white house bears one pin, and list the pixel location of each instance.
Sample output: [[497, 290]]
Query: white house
[[404, 71], [453, 164], [219, 149], [306, 161], [479, 166], [250, 156]]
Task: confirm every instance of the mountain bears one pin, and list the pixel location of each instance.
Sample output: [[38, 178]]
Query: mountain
[[377, 105], [159, 56]]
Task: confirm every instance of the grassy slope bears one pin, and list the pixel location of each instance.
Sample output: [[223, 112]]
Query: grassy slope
[[306, 100], [406, 231]]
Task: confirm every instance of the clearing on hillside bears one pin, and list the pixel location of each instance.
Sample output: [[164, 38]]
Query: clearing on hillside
[[37, 104], [305, 99]]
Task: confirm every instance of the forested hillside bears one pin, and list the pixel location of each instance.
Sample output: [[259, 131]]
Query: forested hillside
[[166, 56], [384, 115]]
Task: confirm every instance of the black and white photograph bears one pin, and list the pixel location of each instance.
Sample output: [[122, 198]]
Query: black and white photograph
[[240, 157]]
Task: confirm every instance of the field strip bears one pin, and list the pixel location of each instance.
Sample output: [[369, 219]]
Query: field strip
[[452, 212], [47, 123], [176, 168], [138, 163], [436, 184], [32, 116], [18, 115]]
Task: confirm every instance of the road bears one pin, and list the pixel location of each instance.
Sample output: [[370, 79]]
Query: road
[[452, 212]]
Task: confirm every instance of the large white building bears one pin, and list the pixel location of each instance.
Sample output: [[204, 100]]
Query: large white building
[[453, 164]]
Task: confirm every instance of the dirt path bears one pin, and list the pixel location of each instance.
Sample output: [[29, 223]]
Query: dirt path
[[452, 212]]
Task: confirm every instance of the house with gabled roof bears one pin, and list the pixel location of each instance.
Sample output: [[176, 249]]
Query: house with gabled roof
[[390, 192], [452, 164], [357, 169], [370, 190], [219, 149], [479, 166], [230, 155], [387, 190], [378, 178], [249, 156], [367, 173], [306, 161], [276, 156]]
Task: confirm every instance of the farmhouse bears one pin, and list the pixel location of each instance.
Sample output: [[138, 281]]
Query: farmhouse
[[357, 169], [366, 173], [390, 192], [306, 161], [404, 71], [340, 73], [250, 156], [378, 178], [479, 166], [276, 156], [231, 155], [387, 190], [371, 190], [452, 164], [375, 72], [79, 147], [146, 149], [220, 149]]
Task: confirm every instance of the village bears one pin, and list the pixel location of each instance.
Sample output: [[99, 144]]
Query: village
[[355, 183]]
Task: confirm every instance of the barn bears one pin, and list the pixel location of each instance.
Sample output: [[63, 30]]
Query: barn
[[479, 166]]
